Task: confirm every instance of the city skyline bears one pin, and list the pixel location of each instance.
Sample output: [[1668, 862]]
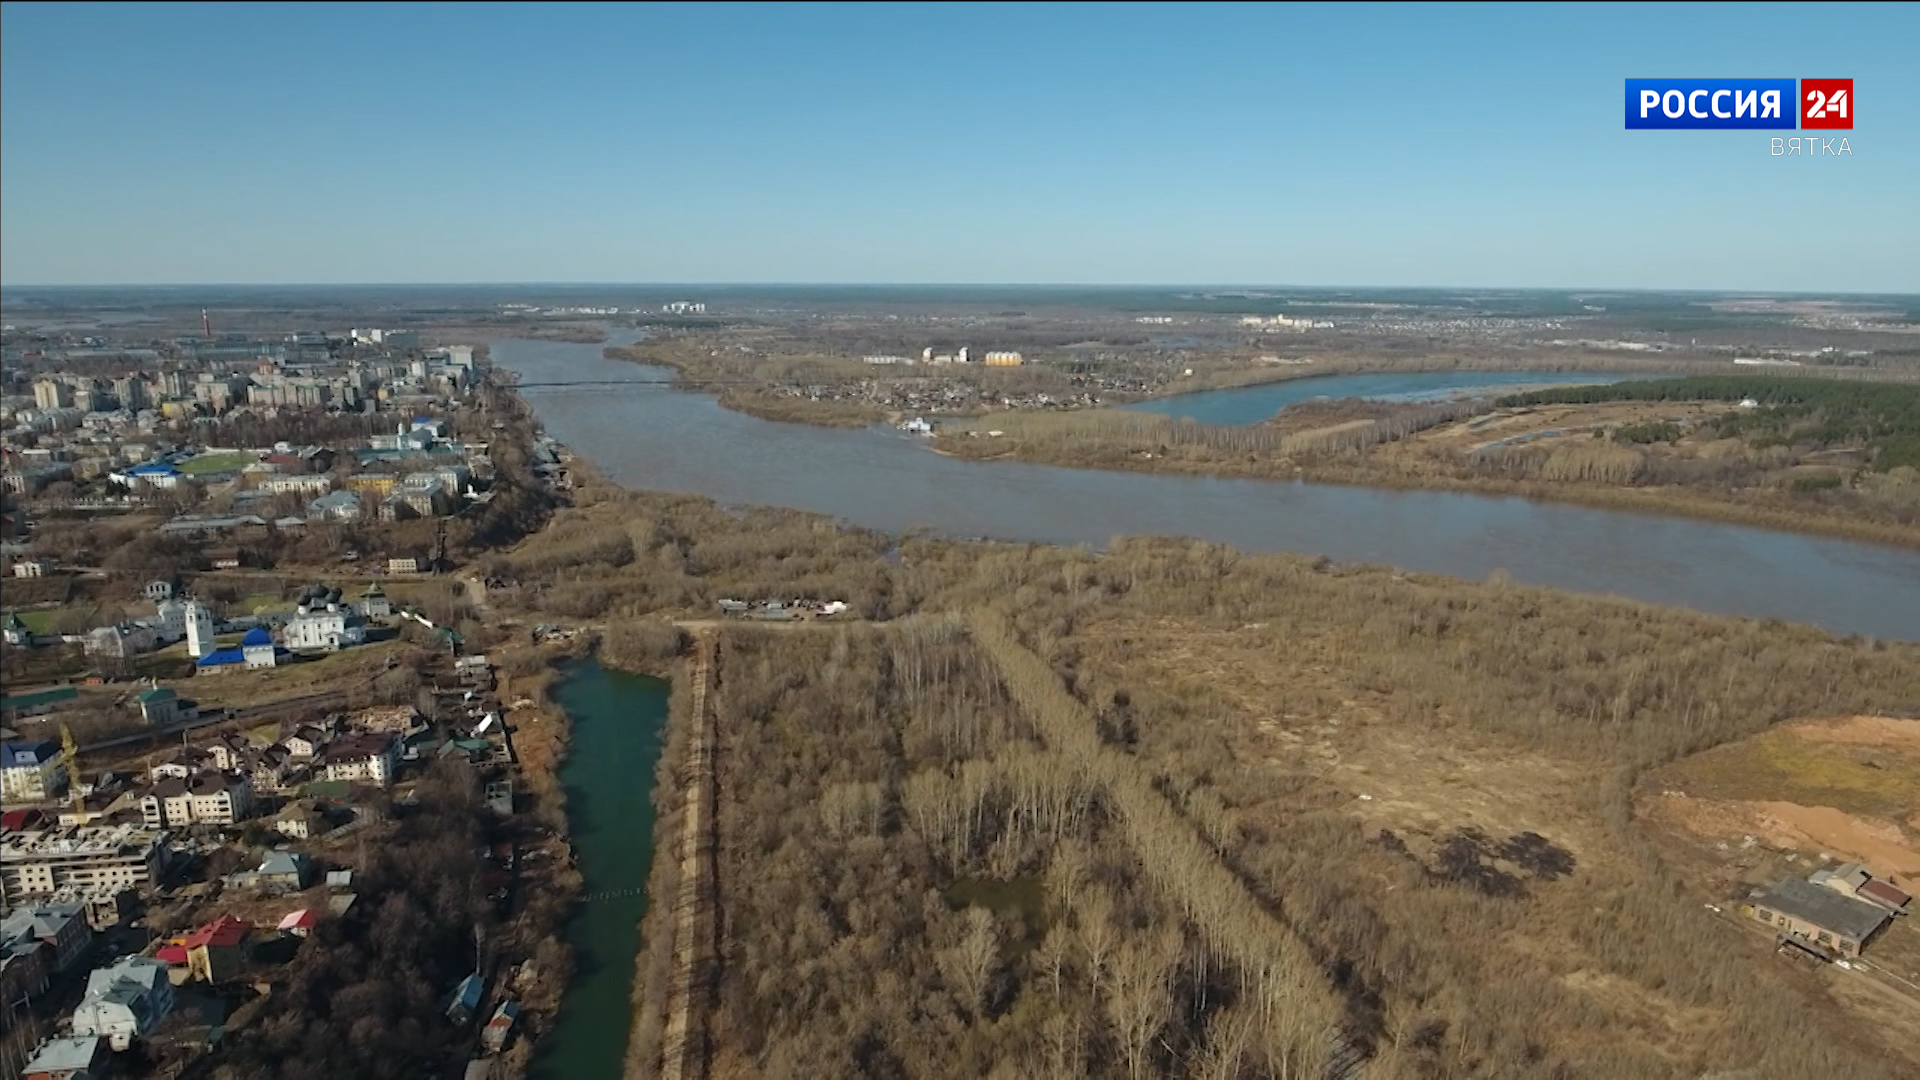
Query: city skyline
[[1456, 147]]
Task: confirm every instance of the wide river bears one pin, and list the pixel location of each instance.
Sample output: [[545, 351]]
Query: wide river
[[650, 436]]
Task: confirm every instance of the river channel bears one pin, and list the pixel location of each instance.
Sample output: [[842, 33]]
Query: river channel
[[617, 726], [655, 437]]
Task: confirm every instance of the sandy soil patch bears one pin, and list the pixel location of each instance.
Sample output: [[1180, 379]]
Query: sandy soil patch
[[1882, 845], [1901, 736]]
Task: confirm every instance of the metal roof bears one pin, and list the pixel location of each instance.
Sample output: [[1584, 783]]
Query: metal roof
[[57, 1056], [1824, 908]]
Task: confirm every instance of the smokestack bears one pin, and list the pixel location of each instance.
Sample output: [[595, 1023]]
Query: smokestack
[[206, 325]]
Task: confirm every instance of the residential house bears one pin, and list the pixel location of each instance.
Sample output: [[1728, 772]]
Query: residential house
[[367, 757], [221, 798], [161, 707], [407, 564], [58, 926], [1820, 916], [158, 591], [279, 870], [229, 752], [179, 765], [15, 631], [124, 1001], [298, 822], [167, 804], [31, 568], [306, 741], [300, 923], [213, 953], [32, 771], [270, 769], [79, 1058]]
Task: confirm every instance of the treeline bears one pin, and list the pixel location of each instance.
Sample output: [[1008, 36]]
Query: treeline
[[1884, 418], [615, 555], [1124, 432]]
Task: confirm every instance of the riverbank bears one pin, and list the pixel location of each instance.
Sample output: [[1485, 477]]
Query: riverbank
[[1805, 505], [826, 391], [1769, 510]]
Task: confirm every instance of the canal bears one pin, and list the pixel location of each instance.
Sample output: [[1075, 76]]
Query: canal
[[617, 724]]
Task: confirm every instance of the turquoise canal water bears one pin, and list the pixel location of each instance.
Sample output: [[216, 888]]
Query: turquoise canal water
[[619, 724]]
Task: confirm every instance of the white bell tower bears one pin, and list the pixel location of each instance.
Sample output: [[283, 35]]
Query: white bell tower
[[199, 629]]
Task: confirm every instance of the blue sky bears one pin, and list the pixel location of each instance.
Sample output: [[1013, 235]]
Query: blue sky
[[1454, 146]]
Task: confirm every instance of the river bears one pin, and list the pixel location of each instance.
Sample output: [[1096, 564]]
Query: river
[[617, 725], [649, 436]]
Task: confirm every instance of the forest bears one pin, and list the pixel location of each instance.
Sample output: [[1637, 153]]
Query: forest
[[1884, 418], [1095, 814]]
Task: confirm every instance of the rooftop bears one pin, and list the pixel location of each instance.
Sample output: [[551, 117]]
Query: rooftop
[[26, 755], [60, 1056], [79, 840], [223, 932], [35, 698], [1824, 908]]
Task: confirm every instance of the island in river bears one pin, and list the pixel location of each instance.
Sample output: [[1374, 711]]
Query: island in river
[[1837, 456]]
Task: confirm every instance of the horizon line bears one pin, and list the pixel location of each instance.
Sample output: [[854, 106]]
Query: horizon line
[[770, 284]]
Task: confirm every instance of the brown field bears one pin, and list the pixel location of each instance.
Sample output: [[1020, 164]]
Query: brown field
[[1788, 801]]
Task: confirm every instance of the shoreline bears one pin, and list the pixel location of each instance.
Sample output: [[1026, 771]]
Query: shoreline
[[1663, 502], [1666, 502]]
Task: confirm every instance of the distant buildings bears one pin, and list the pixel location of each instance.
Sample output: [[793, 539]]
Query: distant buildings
[[684, 307], [1004, 359]]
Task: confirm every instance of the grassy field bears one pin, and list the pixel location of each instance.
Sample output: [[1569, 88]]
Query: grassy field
[[40, 622], [262, 603], [205, 464], [348, 670]]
